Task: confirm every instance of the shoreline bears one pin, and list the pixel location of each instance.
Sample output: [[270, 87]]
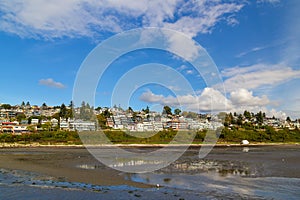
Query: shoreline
[[35, 145]]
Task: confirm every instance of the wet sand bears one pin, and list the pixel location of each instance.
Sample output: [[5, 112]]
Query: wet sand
[[62, 163], [251, 168]]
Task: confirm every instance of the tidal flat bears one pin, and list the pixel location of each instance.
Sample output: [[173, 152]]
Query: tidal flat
[[227, 172]]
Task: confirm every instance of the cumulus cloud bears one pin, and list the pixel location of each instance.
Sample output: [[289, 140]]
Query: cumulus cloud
[[255, 76], [187, 49], [48, 19], [51, 83], [243, 97], [204, 16], [209, 100]]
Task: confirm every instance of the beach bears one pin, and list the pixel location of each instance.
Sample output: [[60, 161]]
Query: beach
[[240, 172]]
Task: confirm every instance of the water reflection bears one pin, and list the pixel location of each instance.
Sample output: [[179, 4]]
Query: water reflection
[[223, 168], [87, 166], [136, 163], [192, 167], [246, 149]]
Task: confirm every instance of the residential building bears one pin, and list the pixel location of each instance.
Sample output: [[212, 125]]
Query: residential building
[[79, 125]]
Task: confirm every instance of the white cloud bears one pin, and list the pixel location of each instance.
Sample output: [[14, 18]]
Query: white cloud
[[48, 19], [243, 97], [206, 14], [255, 49], [255, 76], [174, 88], [188, 49], [182, 67], [209, 100], [268, 1], [51, 83], [189, 72]]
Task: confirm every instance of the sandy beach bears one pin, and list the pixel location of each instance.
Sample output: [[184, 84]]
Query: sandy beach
[[235, 166]]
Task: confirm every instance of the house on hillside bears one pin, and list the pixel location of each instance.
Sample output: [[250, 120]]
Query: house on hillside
[[15, 128], [79, 125]]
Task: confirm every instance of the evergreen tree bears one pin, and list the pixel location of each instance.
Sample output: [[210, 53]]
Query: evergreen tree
[[177, 111], [167, 110], [147, 110], [63, 111], [260, 117], [247, 114], [44, 106]]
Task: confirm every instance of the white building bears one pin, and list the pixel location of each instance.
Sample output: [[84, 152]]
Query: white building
[[79, 125], [140, 127], [18, 130], [54, 122], [64, 124], [34, 121]]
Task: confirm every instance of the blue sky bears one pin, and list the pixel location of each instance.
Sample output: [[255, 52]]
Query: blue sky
[[254, 44]]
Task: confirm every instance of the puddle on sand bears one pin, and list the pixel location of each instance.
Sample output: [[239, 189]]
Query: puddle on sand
[[89, 166]]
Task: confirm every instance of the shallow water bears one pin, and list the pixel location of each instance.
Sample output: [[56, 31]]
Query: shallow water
[[257, 172], [260, 187]]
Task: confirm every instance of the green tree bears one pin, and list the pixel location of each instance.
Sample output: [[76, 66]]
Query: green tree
[[130, 110], [6, 106], [102, 121], [98, 108], [46, 126], [106, 113], [228, 119], [56, 116], [167, 110], [191, 115], [63, 111], [70, 110], [44, 106], [240, 120], [27, 104], [147, 110], [20, 117], [247, 114], [31, 128], [177, 111], [260, 117]]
